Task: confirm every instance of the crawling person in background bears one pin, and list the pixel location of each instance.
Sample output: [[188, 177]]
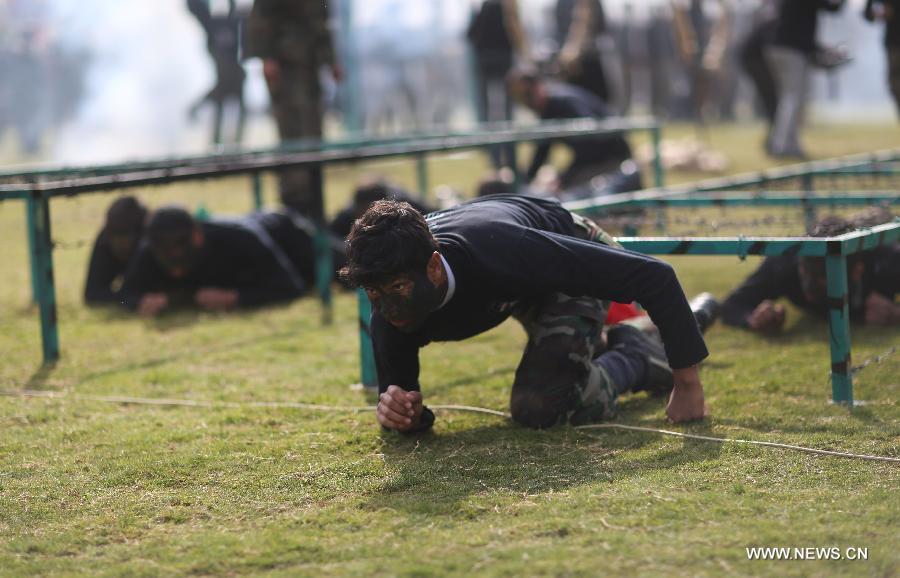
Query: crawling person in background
[[873, 282], [113, 250], [465, 270], [601, 165], [367, 192], [218, 265]]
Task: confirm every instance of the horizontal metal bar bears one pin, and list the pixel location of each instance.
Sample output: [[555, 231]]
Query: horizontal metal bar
[[706, 199], [746, 179], [490, 131], [272, 161], [768, 246]]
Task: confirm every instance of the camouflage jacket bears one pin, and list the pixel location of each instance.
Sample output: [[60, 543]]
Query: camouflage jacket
[[295, 31]]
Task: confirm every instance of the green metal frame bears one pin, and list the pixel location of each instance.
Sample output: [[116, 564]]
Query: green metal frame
[[38, 185]]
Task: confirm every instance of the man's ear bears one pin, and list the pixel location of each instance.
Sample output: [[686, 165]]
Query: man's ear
[[435, 270], [197, 237]]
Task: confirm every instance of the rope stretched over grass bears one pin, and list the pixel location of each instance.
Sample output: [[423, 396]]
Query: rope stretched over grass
[[739, 441], [466, 408]]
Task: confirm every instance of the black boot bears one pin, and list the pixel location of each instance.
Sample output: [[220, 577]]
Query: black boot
[[706, 310]]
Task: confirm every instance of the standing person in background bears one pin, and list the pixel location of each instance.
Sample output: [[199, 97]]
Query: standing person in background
[[889, 12], [753, 59], [222, 42], [579, 26], [498, 40], [294, 41], [790, 56], [701, 49]]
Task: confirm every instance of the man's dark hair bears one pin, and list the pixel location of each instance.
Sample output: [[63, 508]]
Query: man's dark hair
[[125, 216], [390, 239], [169, 222]]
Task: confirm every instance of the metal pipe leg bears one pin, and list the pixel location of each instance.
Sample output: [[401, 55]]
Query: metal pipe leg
[[422, 176], [839, 329], [368, 374], [30, 233], [659, 177], [257, 192], [42, 257]]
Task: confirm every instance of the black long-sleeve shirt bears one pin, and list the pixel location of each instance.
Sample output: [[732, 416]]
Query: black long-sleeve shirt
[[232, 257], [567, 101], [779, 277], [798, 21], [103, 270], [508, 250]]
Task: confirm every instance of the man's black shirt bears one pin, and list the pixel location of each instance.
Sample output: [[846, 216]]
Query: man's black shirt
[[779, 277], [505, 251], [103, 271], [798, 21], [232, 257], [567, 101]]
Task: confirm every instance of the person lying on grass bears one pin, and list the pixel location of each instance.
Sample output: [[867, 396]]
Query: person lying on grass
[[114, 248], [260, 259], [462, 271], [873, 281]]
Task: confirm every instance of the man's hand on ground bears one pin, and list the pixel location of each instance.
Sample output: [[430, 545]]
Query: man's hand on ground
[[152, 304], [768, 317], [881, 311], [399, 409], [213, 299], [686, 403]]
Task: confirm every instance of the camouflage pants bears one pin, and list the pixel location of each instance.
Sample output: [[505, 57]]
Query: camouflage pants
[[556, 380], [298, 111]]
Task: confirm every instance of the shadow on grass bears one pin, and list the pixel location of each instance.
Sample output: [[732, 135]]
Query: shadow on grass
[[437, 473], [38, 379], [191, 353]]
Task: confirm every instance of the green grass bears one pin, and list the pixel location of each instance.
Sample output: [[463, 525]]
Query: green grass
[[95, 489]]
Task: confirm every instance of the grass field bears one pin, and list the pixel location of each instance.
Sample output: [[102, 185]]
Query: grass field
[[98, 489]]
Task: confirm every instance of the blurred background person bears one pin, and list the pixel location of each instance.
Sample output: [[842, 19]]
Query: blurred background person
[[222, 29], [367, 192], [790, 55], [753, 60], [873, 281], [580, 31], [293, 39], [605, 158], [113, 250], [702, 44], [219, 265], [888, 11], [497, 40]]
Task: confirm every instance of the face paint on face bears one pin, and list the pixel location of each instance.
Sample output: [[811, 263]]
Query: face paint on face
[[406, 301]]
